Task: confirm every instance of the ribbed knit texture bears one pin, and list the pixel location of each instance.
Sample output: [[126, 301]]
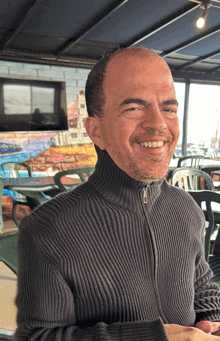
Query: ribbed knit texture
[[98, 263]]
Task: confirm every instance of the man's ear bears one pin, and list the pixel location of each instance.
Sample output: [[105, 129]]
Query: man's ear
[[93, 129]]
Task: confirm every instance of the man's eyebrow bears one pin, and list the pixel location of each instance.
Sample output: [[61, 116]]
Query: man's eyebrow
[[133, 100], [143, 102], [171, 102]]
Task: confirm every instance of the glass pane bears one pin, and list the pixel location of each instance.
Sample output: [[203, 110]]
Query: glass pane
[[43, 99], [180, 95], [203, 119], [17, 99]]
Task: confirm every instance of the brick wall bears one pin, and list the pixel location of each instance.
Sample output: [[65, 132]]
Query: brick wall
[[75, 78]]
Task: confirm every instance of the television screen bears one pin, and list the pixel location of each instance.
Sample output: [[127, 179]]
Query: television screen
[[27, 105]]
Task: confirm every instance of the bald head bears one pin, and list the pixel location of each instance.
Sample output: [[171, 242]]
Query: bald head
[[95, 97], [133, 52]]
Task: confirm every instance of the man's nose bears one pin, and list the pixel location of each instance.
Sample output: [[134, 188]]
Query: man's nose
[[154, 119]]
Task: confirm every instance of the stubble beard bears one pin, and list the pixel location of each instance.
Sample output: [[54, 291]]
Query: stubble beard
[[136, 171], [145, 175], [132, 168]]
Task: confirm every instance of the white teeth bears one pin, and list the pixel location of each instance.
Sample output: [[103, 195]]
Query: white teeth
[[153, 144]]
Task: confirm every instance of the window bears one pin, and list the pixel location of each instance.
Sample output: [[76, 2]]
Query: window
[[203, 124], [180, 95], [203, 116], [32, 105], [24, 99]]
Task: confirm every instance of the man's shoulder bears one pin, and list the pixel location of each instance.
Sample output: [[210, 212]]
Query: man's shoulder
[[175, 190], [56, 212], [177, 195]]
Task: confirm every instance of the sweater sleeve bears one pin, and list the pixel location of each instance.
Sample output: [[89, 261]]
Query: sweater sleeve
[[45, 302], [207, 293]]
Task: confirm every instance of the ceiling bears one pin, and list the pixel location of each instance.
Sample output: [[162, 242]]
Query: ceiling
[[80, 32]]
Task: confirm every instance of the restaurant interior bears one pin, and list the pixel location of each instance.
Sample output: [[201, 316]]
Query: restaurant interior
[[47, 48]]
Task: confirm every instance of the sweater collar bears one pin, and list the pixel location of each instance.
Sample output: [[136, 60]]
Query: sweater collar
[[116, 186]]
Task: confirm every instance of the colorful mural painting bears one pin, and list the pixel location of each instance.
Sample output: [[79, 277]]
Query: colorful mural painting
[[49, 152]]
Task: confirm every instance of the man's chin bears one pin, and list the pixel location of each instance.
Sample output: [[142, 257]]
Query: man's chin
[[151, 176], [151, 179], [156, 174], [148, 171]]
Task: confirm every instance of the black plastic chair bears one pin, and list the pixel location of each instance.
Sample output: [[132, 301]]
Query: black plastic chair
[[195, 161], [190, 179], [16, 170], [83, 174], [209, 197]]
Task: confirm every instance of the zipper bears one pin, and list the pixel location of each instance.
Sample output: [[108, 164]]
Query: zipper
[[155, 255], [145, 199]]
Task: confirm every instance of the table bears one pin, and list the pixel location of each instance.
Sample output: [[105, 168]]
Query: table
[[207, 166], [213, 165], [32, 187]]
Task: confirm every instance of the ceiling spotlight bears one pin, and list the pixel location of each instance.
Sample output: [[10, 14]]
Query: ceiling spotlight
[[201, 21]]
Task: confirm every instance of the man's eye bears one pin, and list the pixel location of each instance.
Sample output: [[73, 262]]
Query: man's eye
[[171, 111], [132, 109], [132, 112]]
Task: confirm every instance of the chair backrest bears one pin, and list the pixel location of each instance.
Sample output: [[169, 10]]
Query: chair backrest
[[1, 194], [193, 161], [213, 154], [190, 179], [16, 169], [208, 197], [6, 335], [66, 183], [8, 250]]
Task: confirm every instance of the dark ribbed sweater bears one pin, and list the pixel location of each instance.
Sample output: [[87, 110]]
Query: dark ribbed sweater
[[98, 263]]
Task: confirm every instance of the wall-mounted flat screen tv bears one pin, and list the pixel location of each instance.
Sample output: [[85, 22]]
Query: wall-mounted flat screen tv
[[27, 105]]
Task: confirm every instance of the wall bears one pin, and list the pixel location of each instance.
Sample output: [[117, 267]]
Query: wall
[[48, 153]]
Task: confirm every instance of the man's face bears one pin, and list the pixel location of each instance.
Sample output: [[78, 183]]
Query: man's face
[[139, 128]]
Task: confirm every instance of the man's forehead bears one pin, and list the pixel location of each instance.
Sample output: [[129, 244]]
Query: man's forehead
[[119, 78], [126, 67]]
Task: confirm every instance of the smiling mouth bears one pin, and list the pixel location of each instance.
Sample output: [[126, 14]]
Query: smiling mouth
[[152, 144]]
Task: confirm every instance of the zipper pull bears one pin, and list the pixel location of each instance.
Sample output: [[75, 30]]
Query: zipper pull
[[145, 200]]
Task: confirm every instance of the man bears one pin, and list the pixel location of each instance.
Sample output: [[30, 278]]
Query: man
[[120, 257]]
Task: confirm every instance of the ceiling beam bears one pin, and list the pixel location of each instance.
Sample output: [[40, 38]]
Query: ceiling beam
[[213, 70], [72, 41], [198, 60], [189, 42], [164, 23], [13, 30], [46, 58], [195, 76]]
